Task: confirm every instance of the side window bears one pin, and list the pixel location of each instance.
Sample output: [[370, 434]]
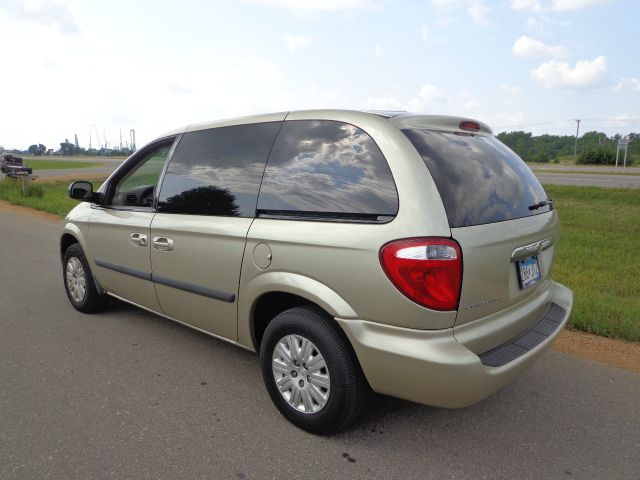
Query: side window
[[327, 168], [218, 171], [137, 186]]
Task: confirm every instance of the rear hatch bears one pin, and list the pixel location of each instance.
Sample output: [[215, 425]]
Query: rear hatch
[[498, 212]]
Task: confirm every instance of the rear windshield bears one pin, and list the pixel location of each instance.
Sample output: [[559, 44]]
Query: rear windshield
[[479, 179]]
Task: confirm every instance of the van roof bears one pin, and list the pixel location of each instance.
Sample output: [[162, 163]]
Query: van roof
[[401, 119]]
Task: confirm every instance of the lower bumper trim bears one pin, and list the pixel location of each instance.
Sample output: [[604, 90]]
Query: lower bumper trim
[[526, 341]]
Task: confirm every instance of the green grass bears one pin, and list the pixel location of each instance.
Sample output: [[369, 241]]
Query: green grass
[[94, 158], [49, 197], [598, 257], [58, 164], [567, 160]]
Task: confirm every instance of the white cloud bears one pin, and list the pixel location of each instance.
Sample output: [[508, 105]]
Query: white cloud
[[528, 5], [44, 12], [378, 51], [620, 119], [467, 102], [428, 98], [430, 94], [315, 5], [326, 98], [632, 84], [545, 24], [478, 10], [385, 103], [586, 74], [530, 47], [563, 5], [534, 24], [445, 4], [472, 104], [425, 33], [501, 121], [512, 90], [535, 6], [619, 123], [295, 42]]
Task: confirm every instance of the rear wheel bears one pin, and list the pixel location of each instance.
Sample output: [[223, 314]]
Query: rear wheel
[[310, 371], [78, 281]]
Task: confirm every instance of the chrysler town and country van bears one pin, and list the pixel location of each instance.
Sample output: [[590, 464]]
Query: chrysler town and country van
[[354, 251]]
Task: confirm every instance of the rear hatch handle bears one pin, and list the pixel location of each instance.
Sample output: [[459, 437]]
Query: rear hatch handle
[[531, 249]]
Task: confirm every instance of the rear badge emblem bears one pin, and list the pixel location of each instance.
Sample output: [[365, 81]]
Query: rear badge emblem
[[484, 303]]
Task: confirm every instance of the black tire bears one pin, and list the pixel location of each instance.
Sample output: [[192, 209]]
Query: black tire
[[348, 391], [92, 301]]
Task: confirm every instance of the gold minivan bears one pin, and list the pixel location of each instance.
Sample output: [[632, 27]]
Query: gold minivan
[[354, 251]]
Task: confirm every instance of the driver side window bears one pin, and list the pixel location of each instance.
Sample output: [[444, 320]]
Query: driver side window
[[136, 188]]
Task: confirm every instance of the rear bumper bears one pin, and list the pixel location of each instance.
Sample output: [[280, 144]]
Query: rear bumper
[[433, 368]]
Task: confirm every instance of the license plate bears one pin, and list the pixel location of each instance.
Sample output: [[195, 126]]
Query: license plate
[[528, 272]]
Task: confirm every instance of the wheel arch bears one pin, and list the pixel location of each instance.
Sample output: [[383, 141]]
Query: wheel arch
[[69, 235], [275, 292], [66, 240]]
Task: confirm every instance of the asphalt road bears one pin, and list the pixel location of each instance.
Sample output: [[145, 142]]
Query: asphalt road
[[128, 395], [590, 179], [584, 168]]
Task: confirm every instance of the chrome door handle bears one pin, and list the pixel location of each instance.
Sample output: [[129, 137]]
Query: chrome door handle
[[138, 239], [163, 243]]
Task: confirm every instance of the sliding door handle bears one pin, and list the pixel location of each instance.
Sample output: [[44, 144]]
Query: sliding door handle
[[138, 239], [164, 244]]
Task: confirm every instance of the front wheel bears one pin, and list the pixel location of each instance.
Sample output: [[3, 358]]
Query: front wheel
[[310, 371], [78, 281]]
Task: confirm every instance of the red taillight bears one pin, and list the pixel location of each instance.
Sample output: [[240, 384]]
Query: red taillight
[[427, 270], [469, 125]]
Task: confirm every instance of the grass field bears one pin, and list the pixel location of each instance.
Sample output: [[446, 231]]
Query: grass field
[[49, 197], [59, 164], [100, 159], [597, 256], [567, 160]]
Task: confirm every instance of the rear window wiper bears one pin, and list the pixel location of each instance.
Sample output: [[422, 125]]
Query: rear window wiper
[[541, 204]]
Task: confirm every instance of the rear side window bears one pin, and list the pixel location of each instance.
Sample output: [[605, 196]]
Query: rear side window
[[218, 171], [329, 170], [479, 179]]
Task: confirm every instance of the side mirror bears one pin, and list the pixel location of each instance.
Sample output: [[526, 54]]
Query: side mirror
[[83, 191]]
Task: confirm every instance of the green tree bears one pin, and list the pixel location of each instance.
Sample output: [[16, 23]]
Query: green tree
[[37, 149], [597, 155]]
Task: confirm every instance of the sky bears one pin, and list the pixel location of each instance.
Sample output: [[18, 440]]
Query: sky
[[82, 68]]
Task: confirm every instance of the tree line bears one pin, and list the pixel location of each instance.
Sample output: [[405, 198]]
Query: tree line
[[593, 147], [69, 149]]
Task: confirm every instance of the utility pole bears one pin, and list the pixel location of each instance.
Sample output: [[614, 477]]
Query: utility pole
[[132, 137], [575, 147]]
